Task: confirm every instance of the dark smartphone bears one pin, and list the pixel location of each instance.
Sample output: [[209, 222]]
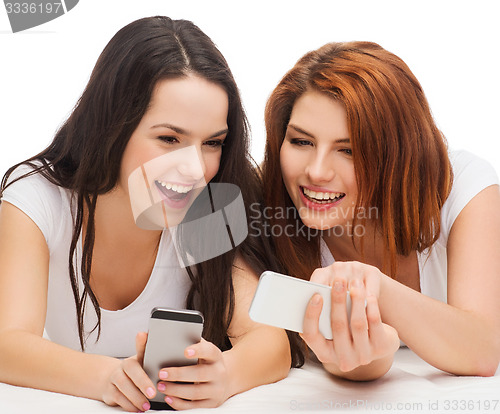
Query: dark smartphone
[[171, 331]]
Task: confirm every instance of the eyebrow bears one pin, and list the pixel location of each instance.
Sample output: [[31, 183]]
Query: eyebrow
[[186, 132], [302, 131]]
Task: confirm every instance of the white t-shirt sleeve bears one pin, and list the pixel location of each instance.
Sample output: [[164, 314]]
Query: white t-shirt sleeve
[[471, 175], [38, 198]]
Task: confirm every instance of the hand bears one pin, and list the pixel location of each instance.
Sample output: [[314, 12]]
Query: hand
[[360, 341], [203, 385], [128, 385]]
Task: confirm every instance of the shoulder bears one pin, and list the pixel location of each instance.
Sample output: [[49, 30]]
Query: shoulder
[[242, 273], [471, 175], [469, 167], [42, 201], [19, 182]]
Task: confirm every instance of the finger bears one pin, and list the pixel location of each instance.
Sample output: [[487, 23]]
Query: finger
[[321, 347], [192, 392], [207, 354], [372, 277], [340, 325], [359, 322], [123, 402], [139, 378], [188, 373], [369, 274], [322, 275], [311, 317], [140, 346], [180, 404], [126, 387], [375, 326], [205, 351]]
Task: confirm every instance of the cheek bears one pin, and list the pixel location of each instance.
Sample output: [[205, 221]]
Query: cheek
[[289, 164], [351, 181], [212, 165], [127, 165], [137, 154]]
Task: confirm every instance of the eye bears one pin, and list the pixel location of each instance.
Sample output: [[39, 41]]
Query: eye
[[214, 143], [347, 151], [168, 139], [300, 142]]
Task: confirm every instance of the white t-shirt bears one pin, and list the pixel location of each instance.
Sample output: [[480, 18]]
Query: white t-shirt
[[49, 207], [471, 175]]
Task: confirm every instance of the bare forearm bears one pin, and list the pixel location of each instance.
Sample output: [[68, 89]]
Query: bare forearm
[[451, 339], [261, 357], [31, 361]]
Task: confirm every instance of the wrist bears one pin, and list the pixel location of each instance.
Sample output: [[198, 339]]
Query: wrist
[[107, 365], [232, 386], [384, 295]]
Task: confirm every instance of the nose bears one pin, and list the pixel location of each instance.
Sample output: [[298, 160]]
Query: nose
[[192, 165], [320, 168]]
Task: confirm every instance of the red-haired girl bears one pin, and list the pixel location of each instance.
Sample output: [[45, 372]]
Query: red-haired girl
[[410, 229]]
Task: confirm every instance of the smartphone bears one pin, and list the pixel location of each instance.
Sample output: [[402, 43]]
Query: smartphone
[[171, 331], [281, 301]]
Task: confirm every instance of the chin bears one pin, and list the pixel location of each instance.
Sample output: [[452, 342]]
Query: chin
[[316, 224]]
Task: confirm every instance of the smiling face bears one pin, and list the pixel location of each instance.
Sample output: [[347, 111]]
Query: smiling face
[[316, 162], [175, 150]]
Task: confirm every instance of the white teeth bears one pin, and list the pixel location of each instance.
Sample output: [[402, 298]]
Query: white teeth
[[178, 188], [321, 195]]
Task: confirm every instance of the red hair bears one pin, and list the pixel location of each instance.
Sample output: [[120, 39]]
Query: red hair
[[400, 157]]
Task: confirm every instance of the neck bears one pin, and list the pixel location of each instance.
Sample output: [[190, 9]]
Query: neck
[[362, 243], [115, 225]]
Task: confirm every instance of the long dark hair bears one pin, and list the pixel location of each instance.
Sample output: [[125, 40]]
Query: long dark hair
[[400, 156], [86, 152]]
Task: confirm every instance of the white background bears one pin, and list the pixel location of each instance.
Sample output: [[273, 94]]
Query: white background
[[453, 47]]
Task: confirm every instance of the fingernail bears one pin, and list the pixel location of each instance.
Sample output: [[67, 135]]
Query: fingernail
[[168, 400], [161, 387], [150, 392], [190, 352], [163, 375], [338, 287], [146, 406], [315, 299]]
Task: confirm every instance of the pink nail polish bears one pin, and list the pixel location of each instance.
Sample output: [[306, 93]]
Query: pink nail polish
[[150, 392], [161, 387], [146, 406], [168, 400], [163, 375], [190, 352]]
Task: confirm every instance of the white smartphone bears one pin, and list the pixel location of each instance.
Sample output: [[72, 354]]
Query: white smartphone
[[171, 331], [282, 300]]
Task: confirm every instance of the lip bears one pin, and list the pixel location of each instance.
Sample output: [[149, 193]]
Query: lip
[[166, 180], [319, 189], [315, 206], [172, 203]]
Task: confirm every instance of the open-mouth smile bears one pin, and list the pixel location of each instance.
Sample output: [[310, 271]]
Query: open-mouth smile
[[175, 195], [320, 197]]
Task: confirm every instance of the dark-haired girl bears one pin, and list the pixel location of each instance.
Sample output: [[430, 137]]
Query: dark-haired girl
[[409, 228], [74, 262]]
